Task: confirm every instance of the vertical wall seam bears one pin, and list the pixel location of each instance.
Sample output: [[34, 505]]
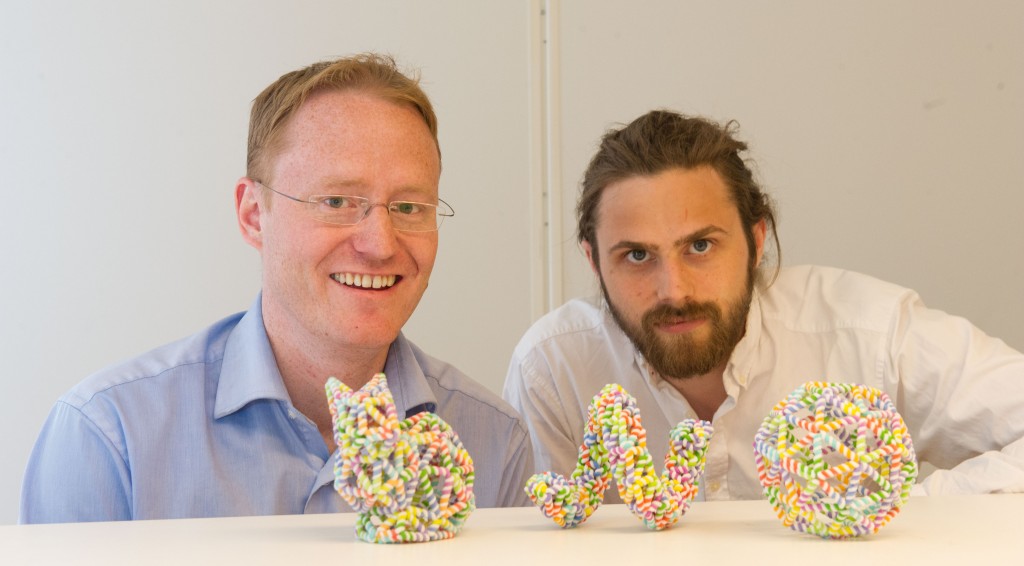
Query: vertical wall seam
[[539, 261], [553, 158], [546, 269]]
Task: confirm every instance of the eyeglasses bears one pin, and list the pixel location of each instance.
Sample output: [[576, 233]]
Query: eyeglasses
[[347, 210]]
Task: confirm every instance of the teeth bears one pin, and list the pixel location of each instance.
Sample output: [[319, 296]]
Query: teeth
[[365, 281]]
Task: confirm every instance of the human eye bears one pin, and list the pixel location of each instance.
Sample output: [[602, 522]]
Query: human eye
[[408, 208], [637, 256], [336, 202], [701, 247]]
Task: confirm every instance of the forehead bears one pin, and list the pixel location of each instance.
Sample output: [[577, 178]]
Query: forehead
[[357, 134], [665, 205]]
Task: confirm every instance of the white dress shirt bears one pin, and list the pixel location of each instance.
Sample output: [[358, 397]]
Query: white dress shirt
[[960, 391]]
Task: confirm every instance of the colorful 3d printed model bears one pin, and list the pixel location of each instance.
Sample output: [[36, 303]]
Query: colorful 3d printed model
[[409, 480], [615, 447], [835, 459]]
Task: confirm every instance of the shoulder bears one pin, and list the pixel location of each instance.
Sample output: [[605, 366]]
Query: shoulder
[[491, 431], [826, 279], [156, 368], [569, 353], [813, 296], [580, 315], [459, 395], [581, 328]]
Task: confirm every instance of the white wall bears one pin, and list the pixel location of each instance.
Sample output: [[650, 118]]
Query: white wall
[[890, 136]]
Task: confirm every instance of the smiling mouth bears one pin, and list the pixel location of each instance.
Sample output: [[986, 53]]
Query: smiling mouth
[[366, 281]]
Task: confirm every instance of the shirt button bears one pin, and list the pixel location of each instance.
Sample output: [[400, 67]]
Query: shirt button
[[291, 414], [714, 486]]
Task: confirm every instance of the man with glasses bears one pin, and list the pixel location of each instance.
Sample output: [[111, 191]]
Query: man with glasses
[[341, 201], [693, 324]]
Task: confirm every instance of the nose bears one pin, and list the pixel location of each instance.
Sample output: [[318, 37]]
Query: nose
[[374, 235], [370, 207], [676, 282]]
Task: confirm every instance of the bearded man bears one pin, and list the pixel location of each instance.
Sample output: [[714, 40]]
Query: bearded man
[[694, 324]]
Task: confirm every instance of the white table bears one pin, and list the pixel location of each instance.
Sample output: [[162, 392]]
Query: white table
[[929, 530]]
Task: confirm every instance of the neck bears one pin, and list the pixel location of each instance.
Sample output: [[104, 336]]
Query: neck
[[705, 393], [305, 362]]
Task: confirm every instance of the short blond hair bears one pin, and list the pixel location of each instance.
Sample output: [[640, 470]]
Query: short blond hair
[[369, 72]]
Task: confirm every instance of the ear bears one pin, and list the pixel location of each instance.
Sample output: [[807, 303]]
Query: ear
[[249, 209], [587, 249], [760, 232]]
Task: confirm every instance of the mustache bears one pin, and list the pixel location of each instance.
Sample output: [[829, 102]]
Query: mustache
[[665, 313]]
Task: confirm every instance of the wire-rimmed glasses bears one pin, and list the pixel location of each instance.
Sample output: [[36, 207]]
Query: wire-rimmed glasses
[[348, 210]]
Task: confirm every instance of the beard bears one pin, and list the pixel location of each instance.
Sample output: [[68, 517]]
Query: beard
[[683, 356]]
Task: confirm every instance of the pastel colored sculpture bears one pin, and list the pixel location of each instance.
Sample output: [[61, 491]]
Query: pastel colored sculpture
[[615, 448], [410, 480], [835, 459]]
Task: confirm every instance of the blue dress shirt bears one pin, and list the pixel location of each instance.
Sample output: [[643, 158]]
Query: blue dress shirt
[[204, 427]]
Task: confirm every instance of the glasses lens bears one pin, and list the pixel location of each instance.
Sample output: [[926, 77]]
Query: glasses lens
[[413, 216], [407, 216], [339, 209]]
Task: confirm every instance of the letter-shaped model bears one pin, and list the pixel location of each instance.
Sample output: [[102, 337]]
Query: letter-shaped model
[[615, 447], [409, 480]]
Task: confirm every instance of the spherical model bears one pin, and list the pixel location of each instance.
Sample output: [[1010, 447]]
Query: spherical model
[[835, 459]]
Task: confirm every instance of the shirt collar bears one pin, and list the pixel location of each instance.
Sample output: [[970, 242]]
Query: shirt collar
[[249, 370], [408, 383]]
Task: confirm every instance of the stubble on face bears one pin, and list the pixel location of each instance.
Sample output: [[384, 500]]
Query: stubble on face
[[683, 356]]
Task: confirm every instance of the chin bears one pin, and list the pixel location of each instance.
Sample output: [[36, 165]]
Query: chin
[[367, 336]]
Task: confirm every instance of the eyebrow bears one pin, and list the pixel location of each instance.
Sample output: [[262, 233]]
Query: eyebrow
[[681, 242], [336, 185], [357, 187]]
